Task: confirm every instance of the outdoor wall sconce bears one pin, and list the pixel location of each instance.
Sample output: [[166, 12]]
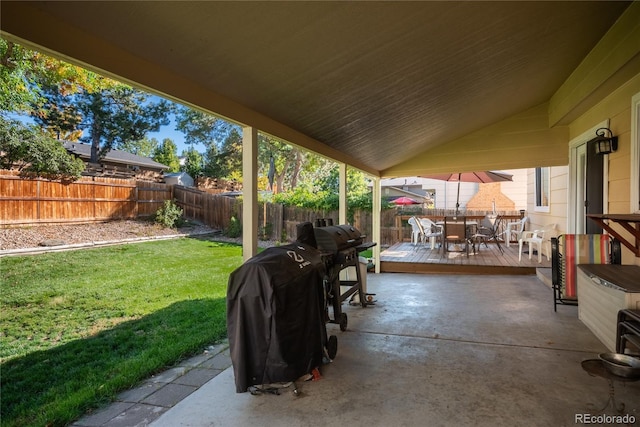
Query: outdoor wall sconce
[[605, 144]]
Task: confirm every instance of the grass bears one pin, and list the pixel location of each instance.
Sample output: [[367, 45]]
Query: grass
[[78, 327]]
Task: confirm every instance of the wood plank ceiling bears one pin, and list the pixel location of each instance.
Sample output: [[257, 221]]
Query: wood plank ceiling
[[372, 83]]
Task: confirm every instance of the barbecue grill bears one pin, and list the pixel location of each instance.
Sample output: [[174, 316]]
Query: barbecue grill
[[340, 246], [276, 316]]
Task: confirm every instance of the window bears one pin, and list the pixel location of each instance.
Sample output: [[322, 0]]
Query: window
[[542, 189]]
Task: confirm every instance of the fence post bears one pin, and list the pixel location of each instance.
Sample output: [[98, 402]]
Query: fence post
[[281, 224], [135, 195], [39, 199]]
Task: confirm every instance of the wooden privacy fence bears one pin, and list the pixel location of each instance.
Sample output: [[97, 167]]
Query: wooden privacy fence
[[39, 201], [210, 209], [275, 221]]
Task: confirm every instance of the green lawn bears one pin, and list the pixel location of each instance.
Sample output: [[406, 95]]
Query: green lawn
[[78, 327]]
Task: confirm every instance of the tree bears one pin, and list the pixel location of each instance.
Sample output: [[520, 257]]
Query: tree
[[226, 161], [193, 163], [167, 154], [32, 152], [25, 74], [287, 160], [57, 115], [201, 128], [118, 115], [66, 99], [222, 141], [16, 65], [143, 147]]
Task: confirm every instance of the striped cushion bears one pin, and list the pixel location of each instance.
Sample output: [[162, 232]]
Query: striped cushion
[[583, 249]]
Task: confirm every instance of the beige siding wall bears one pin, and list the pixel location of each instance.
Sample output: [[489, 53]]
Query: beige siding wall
[[558, 209], [617, 108]]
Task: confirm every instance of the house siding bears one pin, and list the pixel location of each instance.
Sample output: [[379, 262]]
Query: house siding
[[558, 208], [617, 108]]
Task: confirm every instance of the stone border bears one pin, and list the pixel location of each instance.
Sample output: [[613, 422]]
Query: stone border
[[95, 244]]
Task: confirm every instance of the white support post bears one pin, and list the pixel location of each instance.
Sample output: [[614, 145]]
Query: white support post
[[249, 192], [375, 226], [342, 196]]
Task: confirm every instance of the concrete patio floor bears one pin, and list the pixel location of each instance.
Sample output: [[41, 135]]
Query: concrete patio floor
[[436, 350]]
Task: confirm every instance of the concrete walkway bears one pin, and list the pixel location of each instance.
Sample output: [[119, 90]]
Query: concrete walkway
[[145, 403], [437, 350]]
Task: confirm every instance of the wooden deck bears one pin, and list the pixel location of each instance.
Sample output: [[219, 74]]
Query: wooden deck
[[406, 258]]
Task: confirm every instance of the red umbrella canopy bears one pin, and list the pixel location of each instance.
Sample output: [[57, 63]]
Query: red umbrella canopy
[[405, 201], [480, 176]]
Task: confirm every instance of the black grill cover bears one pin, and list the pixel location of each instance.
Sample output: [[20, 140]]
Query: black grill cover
[[275, 316]]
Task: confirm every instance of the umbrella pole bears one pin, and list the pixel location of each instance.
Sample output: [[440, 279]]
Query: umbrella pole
[[458, 197]]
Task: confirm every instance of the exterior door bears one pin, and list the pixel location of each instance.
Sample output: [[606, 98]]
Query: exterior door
[[587, 176], [594, 188], [580, 180]]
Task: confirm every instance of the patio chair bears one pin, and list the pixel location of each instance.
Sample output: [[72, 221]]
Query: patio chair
[[455, 231], [515, 229], [484, 232], [432, 231], [417, 233], [569, 250], [538, 239]]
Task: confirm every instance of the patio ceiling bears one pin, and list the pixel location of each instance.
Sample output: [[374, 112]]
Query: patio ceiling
[[376, 85]]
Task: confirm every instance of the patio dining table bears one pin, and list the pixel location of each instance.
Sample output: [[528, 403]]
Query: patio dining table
[[472, 226], [492, 224]]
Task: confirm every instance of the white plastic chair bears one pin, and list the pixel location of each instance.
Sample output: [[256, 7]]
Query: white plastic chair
[[417, 234], [515, 229], [432, 231], [537, 238]]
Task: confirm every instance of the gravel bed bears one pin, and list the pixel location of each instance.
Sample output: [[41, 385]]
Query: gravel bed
[[43, 235], [55, 235]]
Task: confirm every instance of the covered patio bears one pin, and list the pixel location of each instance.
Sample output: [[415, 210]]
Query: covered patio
[[375, 87], [435, 350]]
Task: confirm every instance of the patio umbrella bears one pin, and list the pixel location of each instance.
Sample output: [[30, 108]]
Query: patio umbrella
[[405, 201], [480, 177]]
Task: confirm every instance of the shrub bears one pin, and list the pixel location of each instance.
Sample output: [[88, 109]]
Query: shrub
[[265, 231], [234, 229], [169, 215]]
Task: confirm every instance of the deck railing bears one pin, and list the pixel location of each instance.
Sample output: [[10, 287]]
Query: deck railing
[[394, 227]]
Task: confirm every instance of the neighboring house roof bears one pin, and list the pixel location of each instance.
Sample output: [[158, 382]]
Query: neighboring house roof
[[422, 198], [114, 156]]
